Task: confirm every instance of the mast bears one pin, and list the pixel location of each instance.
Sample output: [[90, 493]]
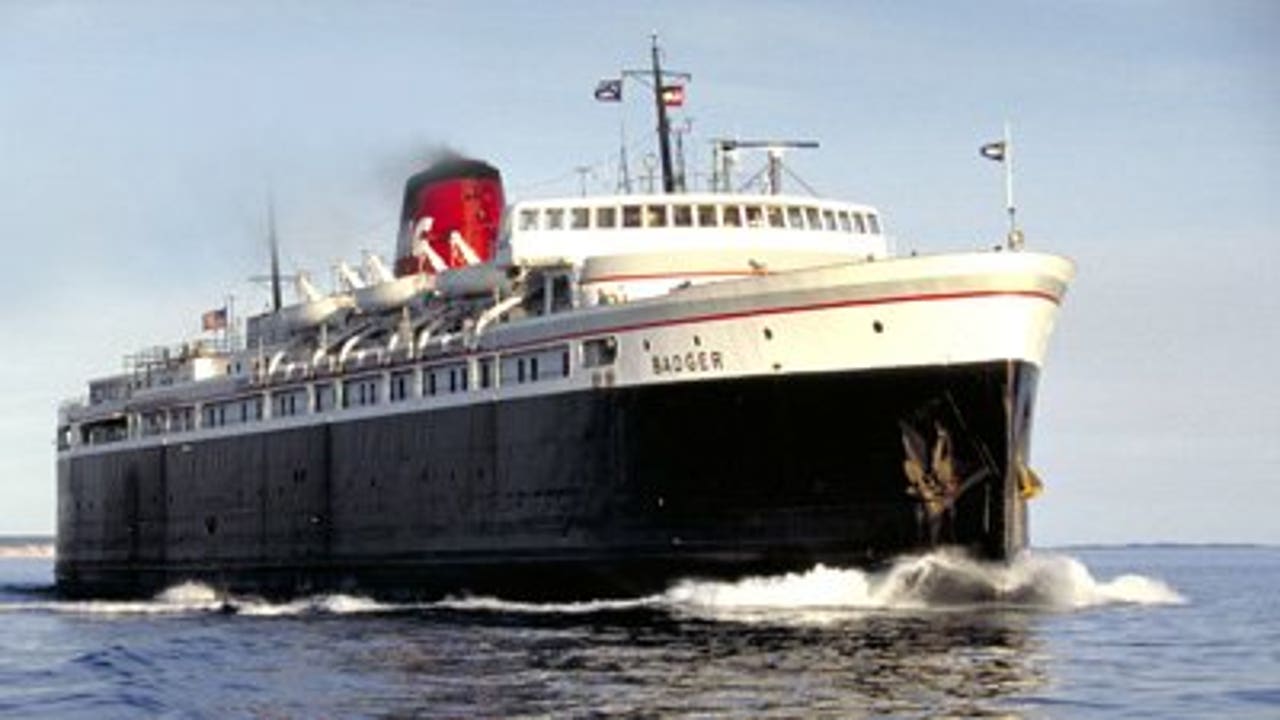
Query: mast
[[664, 125], [1015, 239], [656, 76], [275, 254]]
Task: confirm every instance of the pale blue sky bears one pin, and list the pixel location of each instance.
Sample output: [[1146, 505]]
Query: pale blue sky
[[137, 140]]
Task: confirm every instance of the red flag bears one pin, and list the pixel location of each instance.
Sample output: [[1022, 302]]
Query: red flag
[[673, 95]]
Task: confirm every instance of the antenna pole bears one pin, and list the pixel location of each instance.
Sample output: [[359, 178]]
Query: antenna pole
[[680, 132], [664, 126], [275, 253], [1015, 239], [775, 170], [624, 180], [229, 329]]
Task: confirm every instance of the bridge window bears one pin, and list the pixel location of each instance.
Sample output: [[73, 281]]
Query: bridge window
[[655, 216], [707, 216], [555, 218], [873, 223], [285, 403], [859, 223], [795, 217], [606, 217], [755, 216], [360, 391], [775, 216], [732, 216], [828, 220], [579, 218], [528, 219], [325, 397], [843, 218], [599, 351], [153, 423], [631, 216], [401, 385], [811, 218], [105, 431], [682, 215]]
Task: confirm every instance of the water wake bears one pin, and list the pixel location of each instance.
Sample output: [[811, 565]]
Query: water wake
[[193, 598], [936, 581], [941, 580]]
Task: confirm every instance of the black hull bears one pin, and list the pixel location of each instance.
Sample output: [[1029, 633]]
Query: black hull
[[613, 491]]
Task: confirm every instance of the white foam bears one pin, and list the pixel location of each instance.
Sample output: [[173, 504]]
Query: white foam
[[937, 581], [817, 588], [493, 604], [317, 605], [184, 599], [189, 594]]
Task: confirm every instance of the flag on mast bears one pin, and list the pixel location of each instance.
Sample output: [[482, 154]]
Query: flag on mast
[[673, 95], [609, 90], [214, 320], [1001, 151]]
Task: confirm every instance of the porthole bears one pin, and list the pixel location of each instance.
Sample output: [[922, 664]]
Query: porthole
[[768, 334], [877, 326]]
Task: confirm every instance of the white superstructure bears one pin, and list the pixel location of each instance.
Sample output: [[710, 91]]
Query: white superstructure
[[590, 293]]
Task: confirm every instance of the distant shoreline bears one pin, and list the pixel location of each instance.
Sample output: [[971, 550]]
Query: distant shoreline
[[1160, 546], [26, 546]]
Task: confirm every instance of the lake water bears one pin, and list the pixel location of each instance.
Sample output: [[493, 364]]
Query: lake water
[[1104, 632]]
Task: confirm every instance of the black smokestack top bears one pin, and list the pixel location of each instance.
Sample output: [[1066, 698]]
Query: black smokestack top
[[454, 194], [447, 165]]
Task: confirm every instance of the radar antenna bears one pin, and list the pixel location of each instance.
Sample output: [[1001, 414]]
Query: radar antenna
[[724, 152]]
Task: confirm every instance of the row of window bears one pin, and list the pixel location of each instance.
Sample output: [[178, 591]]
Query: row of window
[[527, 367], [704, 215], [232, 412]]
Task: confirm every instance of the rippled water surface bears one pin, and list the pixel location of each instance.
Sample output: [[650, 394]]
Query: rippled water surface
[[1164, 632]]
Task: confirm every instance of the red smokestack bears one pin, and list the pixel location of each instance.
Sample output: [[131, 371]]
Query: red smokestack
[[455, 195]]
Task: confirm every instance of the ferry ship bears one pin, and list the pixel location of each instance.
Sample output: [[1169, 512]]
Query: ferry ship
[[569, 397]]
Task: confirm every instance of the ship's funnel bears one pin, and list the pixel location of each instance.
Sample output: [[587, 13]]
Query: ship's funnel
[[457, 195]]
